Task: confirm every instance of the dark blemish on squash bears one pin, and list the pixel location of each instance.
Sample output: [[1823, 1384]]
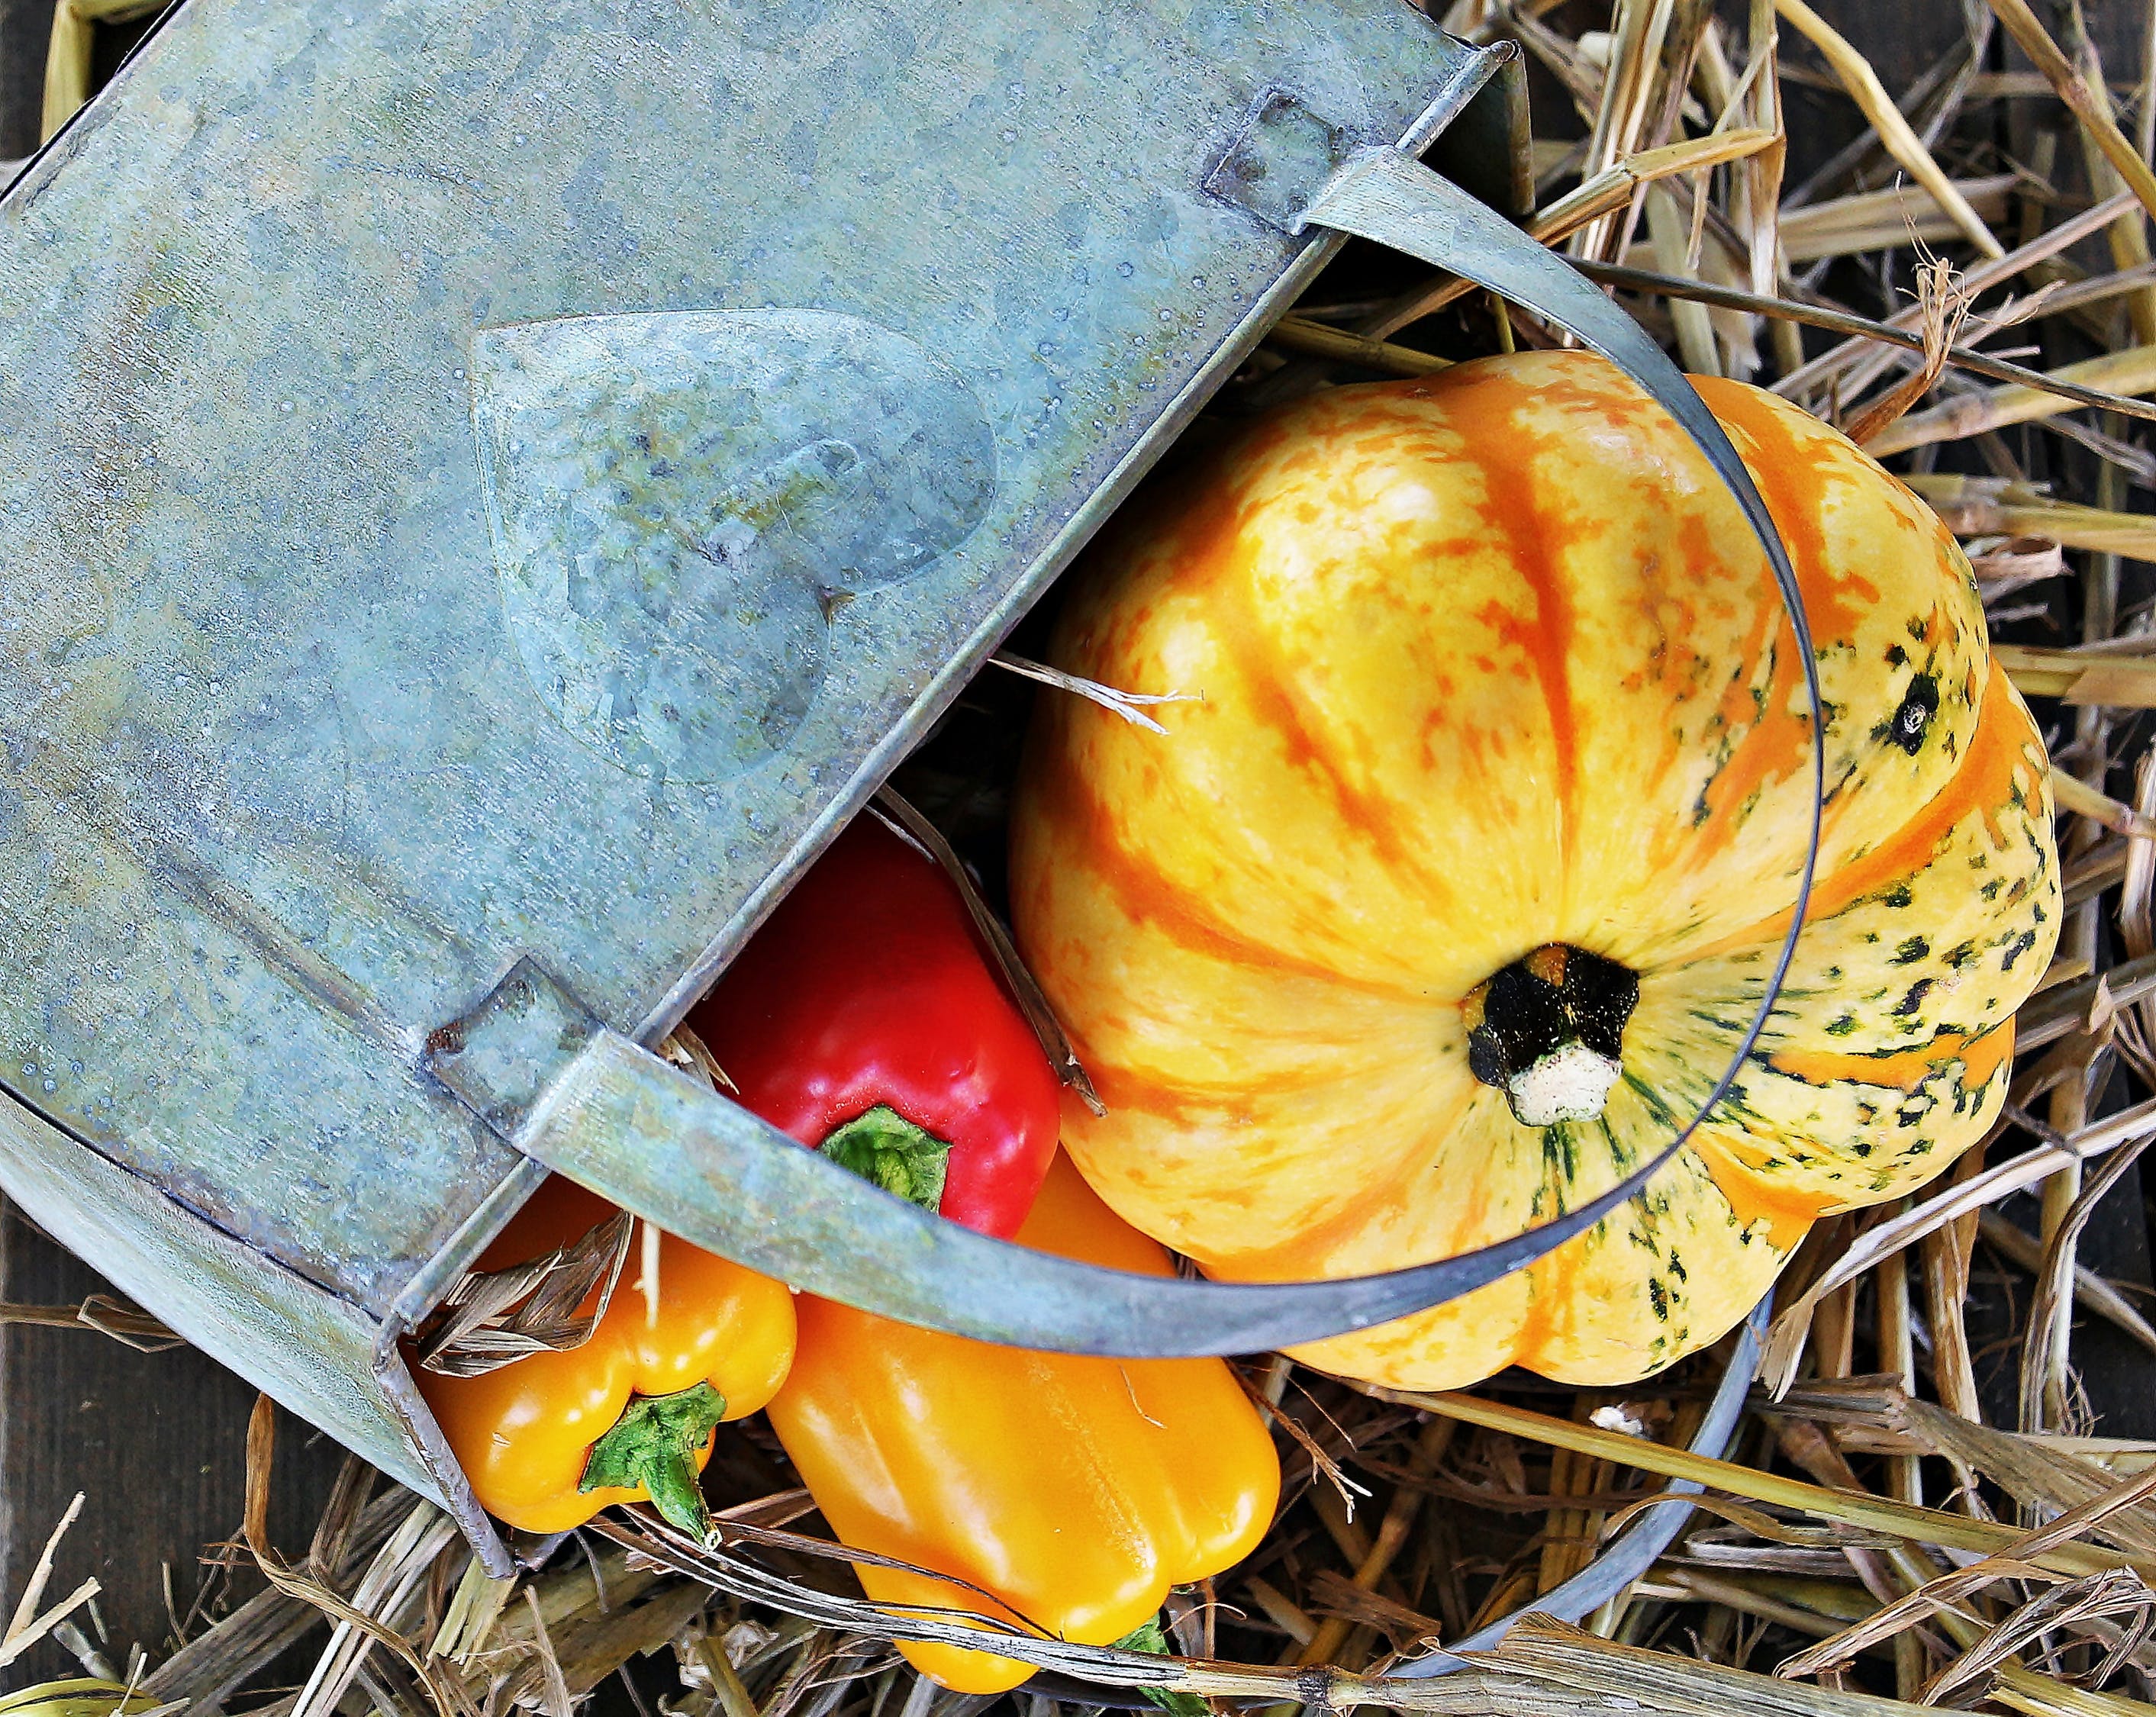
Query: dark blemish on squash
[[1658, 1298], [1897, 896], [1912, 720], [1912, 950], [2022, 945], [1915, 999], [1841, 1028]]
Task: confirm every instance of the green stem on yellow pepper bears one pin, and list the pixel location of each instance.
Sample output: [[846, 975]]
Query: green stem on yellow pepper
[[653, 1444]]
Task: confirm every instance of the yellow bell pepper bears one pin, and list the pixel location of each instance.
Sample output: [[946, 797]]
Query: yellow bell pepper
[[550, 1439], [1076, 1491]]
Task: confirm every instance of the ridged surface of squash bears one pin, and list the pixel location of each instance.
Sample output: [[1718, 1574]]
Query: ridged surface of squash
[[1490, 662]]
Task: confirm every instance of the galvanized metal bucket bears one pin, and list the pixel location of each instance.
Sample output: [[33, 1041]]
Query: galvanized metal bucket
[[491, 488]]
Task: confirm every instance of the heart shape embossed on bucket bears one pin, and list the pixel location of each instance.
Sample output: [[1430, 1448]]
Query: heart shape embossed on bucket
[[682, 502]]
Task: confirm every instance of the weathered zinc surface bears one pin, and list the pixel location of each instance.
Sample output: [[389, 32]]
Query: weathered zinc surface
[[499, 479]]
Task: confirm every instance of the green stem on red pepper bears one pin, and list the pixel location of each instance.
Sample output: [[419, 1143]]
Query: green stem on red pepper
[[864, 1018], [885, 1148]]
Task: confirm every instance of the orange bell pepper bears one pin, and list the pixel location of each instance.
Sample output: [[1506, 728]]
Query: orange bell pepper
[[1077, 1491], [550, 1439]]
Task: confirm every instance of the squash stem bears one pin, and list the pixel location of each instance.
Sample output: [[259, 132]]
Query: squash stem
[[1548, 1031]]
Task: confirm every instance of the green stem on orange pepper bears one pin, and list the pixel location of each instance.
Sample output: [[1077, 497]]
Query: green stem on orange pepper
[[655, 1444]]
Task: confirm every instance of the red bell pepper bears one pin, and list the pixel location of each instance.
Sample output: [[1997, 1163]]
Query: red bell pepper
[[864, 1019]]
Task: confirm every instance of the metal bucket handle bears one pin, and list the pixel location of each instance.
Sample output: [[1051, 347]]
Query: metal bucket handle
[[584, 1101]]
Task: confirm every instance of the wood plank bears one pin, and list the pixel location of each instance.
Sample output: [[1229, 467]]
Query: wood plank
[[156, 1441], [1902, 42], [25, 27]]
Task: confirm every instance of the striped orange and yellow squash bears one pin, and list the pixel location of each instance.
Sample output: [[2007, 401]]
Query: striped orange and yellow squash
[[1453, 898]]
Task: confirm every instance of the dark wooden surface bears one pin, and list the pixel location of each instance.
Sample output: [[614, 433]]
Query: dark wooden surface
[[24, 26], [156, 1441]]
